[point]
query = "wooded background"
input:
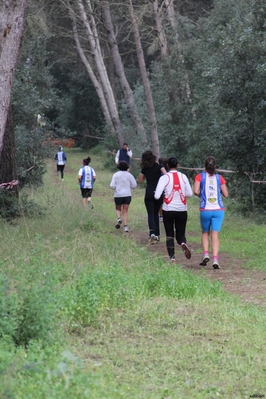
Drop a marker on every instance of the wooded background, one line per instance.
(180, 77)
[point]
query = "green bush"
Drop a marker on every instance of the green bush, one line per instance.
(96, 293)
(36, 315)
(8, 308)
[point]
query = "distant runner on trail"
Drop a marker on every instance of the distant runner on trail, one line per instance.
(124, 154)
(60, 158)
(86, 179)
(209, 186)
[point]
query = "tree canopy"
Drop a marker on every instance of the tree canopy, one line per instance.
(204, 62)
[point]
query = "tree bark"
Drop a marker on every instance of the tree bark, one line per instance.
(94, 80)
(171, 15)
(92, 36)
(146, 83)
(8, 164)
(11, 26)
(120, 73)
(160, 30)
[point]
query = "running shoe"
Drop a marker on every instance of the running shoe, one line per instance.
(161, 219)
(172, 259)
(186, 250)
(126, 229)
(216, 265)
(205, 260)
(152, 239)
(157, 238)
(118, 223)
(91, 205)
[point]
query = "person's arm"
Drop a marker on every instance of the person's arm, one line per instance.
(112, 184)
(117, 157)
(129, 153)
(224, 190)
(93, 175)
(163, 170)
(188, 190)
(160, 187)
(133, 182)
(141, 178)
(80, 175)
(196, 188)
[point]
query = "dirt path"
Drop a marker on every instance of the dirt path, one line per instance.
(250, 285)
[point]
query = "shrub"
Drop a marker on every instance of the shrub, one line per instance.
(36, 315)
(8, 308)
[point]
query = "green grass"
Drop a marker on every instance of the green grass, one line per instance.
(87, 312)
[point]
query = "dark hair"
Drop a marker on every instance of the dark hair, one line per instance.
(122, 165)
(164, 162)
(172, 162)
(86, 161)
(124, 144)
(148, 159)
(210, 165)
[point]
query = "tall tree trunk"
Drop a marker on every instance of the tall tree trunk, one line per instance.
(101, 70)
(172, 18)
(108, 60)
(160, 30)
(145, 81)
(120, 72)
(8, 164)
(94, 80)
(11, 26)
(171, 13)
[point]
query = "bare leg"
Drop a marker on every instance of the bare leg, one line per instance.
(205, 241)
(215, 243)
(125, 214)
(118, 211)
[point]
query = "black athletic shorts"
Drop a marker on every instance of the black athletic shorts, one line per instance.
(86, 192)
(122, 200)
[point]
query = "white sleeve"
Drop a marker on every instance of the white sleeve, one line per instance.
(160, 187)
(112, 184)
(93, 173)
(133, 182)
(188, 190)
(129, 153)
(117, 157)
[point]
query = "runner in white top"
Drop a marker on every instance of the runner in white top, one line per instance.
(86, 179)
(176, 188)
(122, 182)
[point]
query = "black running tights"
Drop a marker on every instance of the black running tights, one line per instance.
(175, 226)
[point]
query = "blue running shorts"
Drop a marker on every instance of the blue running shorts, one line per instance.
(211, 220)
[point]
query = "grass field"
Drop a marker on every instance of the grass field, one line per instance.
(86, 312)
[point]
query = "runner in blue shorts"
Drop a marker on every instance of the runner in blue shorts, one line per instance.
(210, 186)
